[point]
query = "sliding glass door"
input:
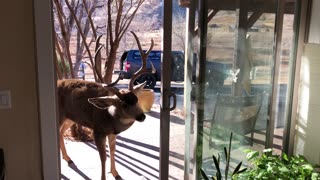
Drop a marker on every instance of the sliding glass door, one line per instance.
(239, 58)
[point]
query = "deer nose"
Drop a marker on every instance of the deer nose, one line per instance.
(141, 117)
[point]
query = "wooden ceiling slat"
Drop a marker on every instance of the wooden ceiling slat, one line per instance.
(265, 6)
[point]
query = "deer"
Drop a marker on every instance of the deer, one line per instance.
(103, 108)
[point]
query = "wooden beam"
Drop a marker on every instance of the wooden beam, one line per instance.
(211, 14)
(253, 18)
(265, 6)
(240, 51)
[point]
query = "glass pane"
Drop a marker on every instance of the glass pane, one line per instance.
(239, 66)
(238, 83)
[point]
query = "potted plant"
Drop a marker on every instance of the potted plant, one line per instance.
(146, 99)
(265, 166)
(270, 166)
(227, 154)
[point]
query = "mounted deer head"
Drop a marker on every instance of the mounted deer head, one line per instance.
(103, 108)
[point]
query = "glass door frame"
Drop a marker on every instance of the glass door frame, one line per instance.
(302, 21)
(165, 90)
(47, 107)
(190, 38)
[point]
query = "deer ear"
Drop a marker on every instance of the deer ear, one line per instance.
(139, 87)
(102, 102)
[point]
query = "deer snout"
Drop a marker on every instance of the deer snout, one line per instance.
(141, 117)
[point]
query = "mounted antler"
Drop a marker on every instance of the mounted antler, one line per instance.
(144, 57)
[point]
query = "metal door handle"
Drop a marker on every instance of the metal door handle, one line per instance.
(173, 95)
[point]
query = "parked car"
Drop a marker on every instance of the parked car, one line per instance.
(216, 72)
(130, 62)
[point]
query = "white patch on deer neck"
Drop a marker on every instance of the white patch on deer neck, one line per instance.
(112, 110)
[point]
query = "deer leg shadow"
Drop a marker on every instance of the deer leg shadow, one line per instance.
(77, 170)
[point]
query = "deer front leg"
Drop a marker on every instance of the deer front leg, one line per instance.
(100, 141)
(112, 148)
(63, 127)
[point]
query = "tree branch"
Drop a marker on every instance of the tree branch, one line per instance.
(60, 15)
(82, 35)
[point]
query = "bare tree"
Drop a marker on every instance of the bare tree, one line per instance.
(76, 30)
(74, 22)
(117, 25)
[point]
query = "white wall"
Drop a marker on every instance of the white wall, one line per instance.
(314, 34)
(20, 125)
(307, 139)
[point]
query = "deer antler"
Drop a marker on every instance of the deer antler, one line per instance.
(120, 77)
(95, 65)
(96, 56)
(144, 57)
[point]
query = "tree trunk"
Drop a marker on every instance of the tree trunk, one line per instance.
(109, 66)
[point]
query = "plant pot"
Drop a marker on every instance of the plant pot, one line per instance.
(146, 99)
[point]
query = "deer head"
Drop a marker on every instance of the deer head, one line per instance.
(123, 105)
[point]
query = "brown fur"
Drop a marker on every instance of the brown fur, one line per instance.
(106, 110)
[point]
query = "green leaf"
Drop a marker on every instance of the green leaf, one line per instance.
(307, 167)
(284, 169)
(267, 150)
(315, 176)
(285, 156)
(225, 152)
(204, 174)
(247, 150)
(216, 163)
(252, 155)
(301, 158)
(242, 170)
(236, 170)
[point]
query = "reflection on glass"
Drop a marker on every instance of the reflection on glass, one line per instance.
(238, 85)
(240, 77)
